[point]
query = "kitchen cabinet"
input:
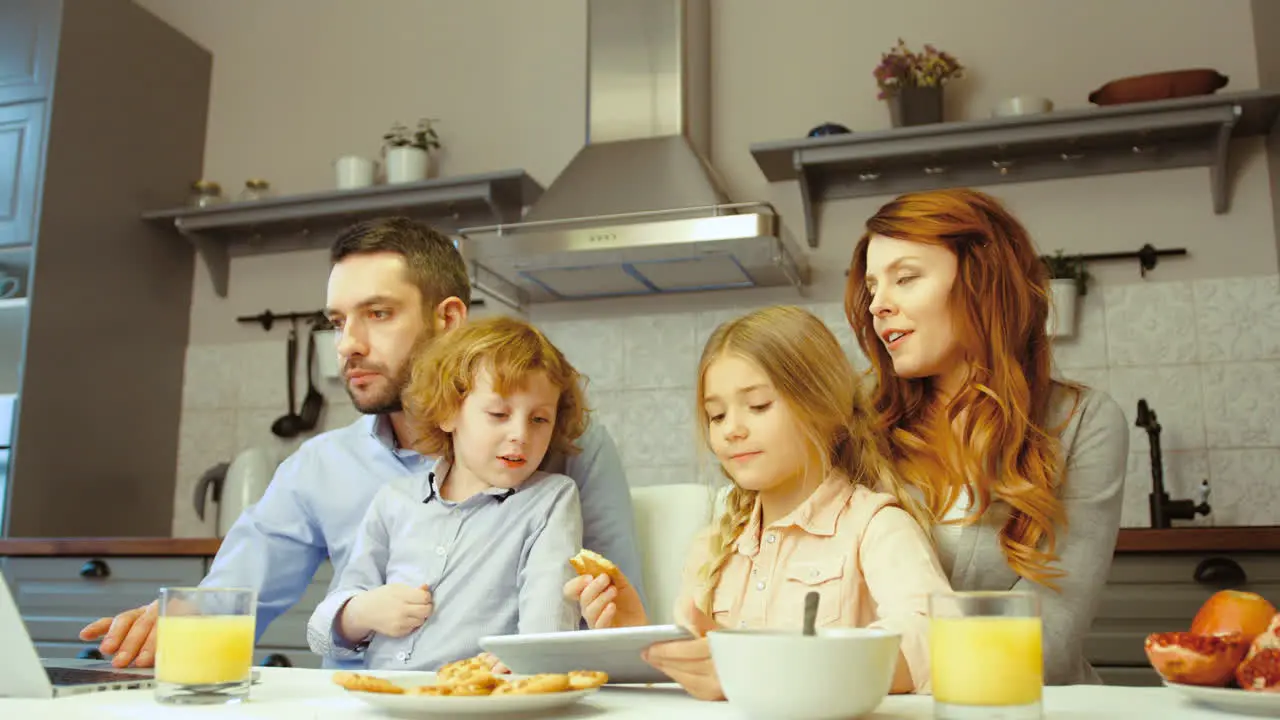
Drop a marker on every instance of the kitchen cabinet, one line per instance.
(21, 128)
(1160, 590)
(95, 127)
(57, 595)
(28, 38)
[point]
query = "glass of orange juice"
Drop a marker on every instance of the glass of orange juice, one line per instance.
(986, 657)
(204, 645)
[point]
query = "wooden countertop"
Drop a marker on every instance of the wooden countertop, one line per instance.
(109, 547)
(1192, 539)
(1132, 540)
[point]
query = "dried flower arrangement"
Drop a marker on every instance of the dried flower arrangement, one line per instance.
(901, 68)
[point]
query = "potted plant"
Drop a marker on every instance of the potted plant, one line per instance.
(407, 154)
(1068, 280)
(912, 83)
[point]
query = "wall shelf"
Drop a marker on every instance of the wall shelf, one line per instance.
(1166, 134)
(293, 222)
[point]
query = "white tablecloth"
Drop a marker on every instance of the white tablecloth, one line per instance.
(295, 694)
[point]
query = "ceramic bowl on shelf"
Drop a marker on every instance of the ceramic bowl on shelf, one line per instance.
(1022, 105)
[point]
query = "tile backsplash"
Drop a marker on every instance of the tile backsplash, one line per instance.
(1204, 354)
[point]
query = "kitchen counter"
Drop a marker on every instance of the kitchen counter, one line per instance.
(1193, 539)
(1132, 540)
(112, 547)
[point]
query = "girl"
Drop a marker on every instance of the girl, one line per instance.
(1020, 474)
(782, 411)
(480, 545)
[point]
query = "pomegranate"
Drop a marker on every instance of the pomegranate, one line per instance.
(1261, 672)
(1233, 611)
(1268, 639)
(1191, 659)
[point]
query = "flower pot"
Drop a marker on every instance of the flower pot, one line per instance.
(406, 164)
(353, 171)
(915, 106)
(1063, 293)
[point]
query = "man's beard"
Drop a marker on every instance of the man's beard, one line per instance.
(389, 400)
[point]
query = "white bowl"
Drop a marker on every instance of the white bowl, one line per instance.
(1022, 105)
(838, 673)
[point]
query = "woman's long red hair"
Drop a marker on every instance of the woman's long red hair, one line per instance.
(991, 435)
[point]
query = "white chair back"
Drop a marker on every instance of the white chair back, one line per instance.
(667, 518)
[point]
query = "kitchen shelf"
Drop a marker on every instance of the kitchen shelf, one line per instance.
(1136, 137)
(300, 221)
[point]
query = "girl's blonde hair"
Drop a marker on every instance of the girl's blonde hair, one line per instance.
(813, 376)
(445, 371)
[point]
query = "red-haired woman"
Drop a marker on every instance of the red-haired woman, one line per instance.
(1022, 473)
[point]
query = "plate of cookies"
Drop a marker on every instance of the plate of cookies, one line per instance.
(468, 687)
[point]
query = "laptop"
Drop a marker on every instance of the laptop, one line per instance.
(24, 675)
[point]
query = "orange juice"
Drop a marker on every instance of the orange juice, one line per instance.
(993, 661)
(204, 649)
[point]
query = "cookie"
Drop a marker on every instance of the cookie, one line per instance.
(587, 679)
(535, 685)
(473, 671)
(435, 690)
(591, 563)
(366, 683)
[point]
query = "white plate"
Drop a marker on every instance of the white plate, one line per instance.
(1232, 699)
(430, 706)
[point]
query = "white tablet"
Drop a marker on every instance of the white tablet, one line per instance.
(616, 651)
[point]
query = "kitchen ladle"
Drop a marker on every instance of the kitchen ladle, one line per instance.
(810, 611)
(309, 414)
(289, 424)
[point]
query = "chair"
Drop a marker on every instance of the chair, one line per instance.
(667, 518)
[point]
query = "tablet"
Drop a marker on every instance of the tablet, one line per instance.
(616, 651)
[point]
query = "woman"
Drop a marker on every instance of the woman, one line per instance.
(1022, 473)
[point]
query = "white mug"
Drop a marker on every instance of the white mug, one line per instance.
(353, 171)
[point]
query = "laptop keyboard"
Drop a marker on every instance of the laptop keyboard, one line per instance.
(84, 676)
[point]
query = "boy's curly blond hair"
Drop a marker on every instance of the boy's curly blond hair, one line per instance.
(445, 372)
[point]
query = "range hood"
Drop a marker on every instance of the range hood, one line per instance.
(639, 210)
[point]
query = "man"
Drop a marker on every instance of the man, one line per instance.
(394, 285)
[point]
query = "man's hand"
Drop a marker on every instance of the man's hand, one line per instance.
(604, 604)
(391, 610)
(127, 637)
(688, 662)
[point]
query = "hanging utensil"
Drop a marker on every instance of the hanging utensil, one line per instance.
(313, 403)
(289, 424)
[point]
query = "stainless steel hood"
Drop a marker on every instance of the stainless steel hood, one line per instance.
(638, 210)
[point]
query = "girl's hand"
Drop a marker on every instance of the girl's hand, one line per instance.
(689, 662)
(604, 604)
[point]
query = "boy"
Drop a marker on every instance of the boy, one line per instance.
(480, 544)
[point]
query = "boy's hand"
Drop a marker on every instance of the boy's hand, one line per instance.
(392, 610)
(604, 604)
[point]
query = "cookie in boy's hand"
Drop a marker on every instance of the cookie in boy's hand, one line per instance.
(592, 564)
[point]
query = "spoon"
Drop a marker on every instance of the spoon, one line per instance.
(810, 611)
(309, 413)
(289, 424)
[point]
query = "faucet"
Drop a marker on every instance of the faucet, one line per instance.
(1163, 509)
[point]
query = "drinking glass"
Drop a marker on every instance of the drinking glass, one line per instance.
(986, 655)
(204, 645)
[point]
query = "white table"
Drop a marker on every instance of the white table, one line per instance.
(295, 694)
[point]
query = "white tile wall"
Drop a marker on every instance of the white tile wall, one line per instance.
(1205, 355)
